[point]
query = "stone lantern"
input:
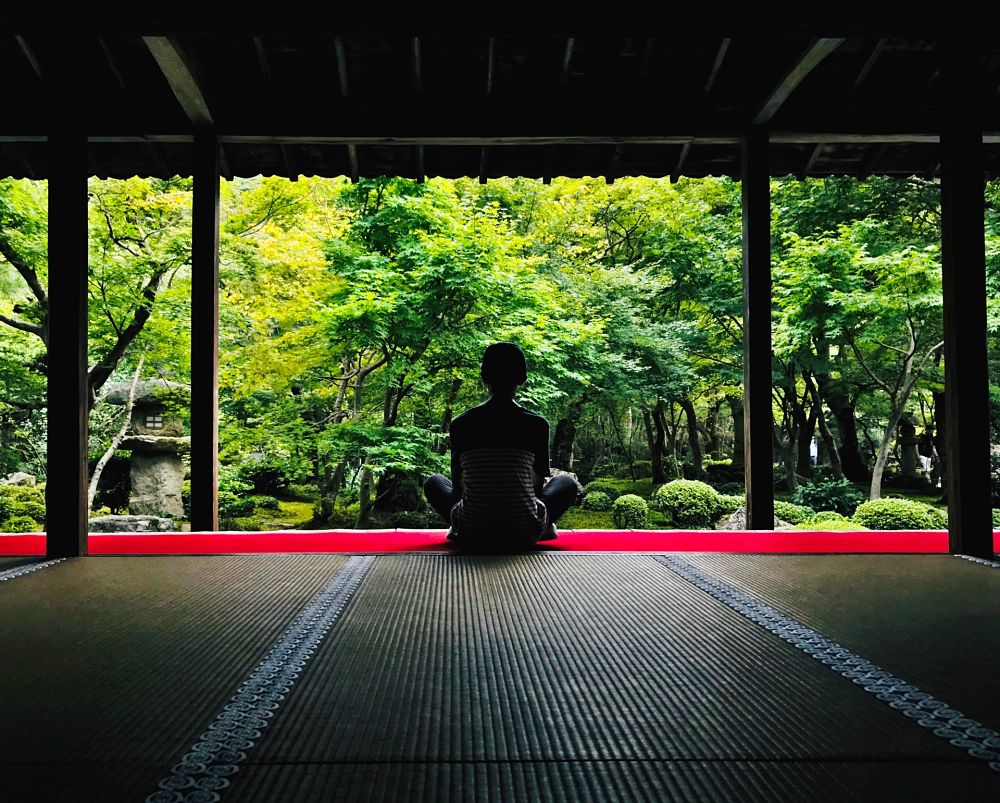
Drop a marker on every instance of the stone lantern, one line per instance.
(155, 437)
(907, 440)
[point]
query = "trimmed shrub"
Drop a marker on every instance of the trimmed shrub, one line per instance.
(793, 514)
(896, 514)
(830, 525)
(265, 502)
(839, 495)
(826, 515)
(7, 508)
(597, 500)
(629, 512)
(23, 493)
(604, 486)
(730, 504)
(35, 510)
(937, 517)
(996, 519)
(232, 506)
(19, 524)
(688, 503)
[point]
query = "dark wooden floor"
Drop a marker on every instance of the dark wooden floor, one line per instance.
(537, 677)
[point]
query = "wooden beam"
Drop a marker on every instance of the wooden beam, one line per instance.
(417, 66)
(352, 158)
(205, 335)
(29, 55)
(157, 157)
(869, 63)
(21, 155)
(647, 56)
(67, 390)
(713, 74)
(757, 416)
(614, 164)
(341, 52)
(112, 64)
(814, 153)
(681, 159)
(289, 162)
(963, 283)
(875, 155)
(805, 64)
(181, 75)
(490, 65)
(419, 158)
(263, 60)
(483, 164)
(567, 60)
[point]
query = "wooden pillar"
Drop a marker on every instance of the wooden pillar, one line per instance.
(205, 335)
(963, 263)
(756, 188)
(66, 513)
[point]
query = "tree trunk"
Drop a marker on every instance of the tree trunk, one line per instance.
(736, 411)
(807, 429)
(365, 499)
(659, 442)
(456, 384)
(853, 464)
(565, 435)
(694, 442)
(824, 430)
(117, 439)
(712, 429)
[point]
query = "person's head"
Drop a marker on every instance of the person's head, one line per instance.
(504, 368)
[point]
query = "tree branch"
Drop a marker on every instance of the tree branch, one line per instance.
(23, 268)
(24, 326)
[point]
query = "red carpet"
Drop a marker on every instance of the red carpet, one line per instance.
(314, 541)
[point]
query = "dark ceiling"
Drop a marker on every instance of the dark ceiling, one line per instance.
(488, 103)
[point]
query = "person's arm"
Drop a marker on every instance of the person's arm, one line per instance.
(456, 462)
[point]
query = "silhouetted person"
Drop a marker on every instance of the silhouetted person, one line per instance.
(497, 495)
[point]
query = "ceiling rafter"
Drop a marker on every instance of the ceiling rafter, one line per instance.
(181, 74)
(805, 64)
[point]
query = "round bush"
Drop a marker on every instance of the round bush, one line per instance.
(896, 514)
(829, 525)
(730, 504)
(262, 502)
(35, 510)
(825, 515)
(688, 503)
(7, 508)
(232, 506)
(996, 519)
(629, 512)
(19, 524)
(597, 500)
(793, 514)
(23, 493)
(839, 495)
(937, 517)
(604, 486)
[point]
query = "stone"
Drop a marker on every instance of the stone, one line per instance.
(131, 524)
(156, 485)
(738, 521)
(20, 478)
(147, 391)
(156, 444)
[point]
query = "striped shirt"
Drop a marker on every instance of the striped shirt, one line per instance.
(497, 449)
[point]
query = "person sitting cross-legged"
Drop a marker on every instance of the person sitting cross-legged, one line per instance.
(497, 497)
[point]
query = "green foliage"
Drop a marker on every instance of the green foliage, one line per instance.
(577, 518)
(688, 503)
(897, 514)
(826, 515)
(629, 512)
(19, 524)
(603, 486)
(793, 514)
(996, 519)
(232, 506)
(838, 495)
(263, 502)
(597, 500)
(731, 488)
(830, 525)
(6, 508)
(34, 510)
(729, 504)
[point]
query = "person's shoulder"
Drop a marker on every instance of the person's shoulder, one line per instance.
(535, 418)
(469, 415)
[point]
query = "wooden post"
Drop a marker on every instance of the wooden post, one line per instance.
(963, 275)
(66, 513)
(205, 335)
(756, 189)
